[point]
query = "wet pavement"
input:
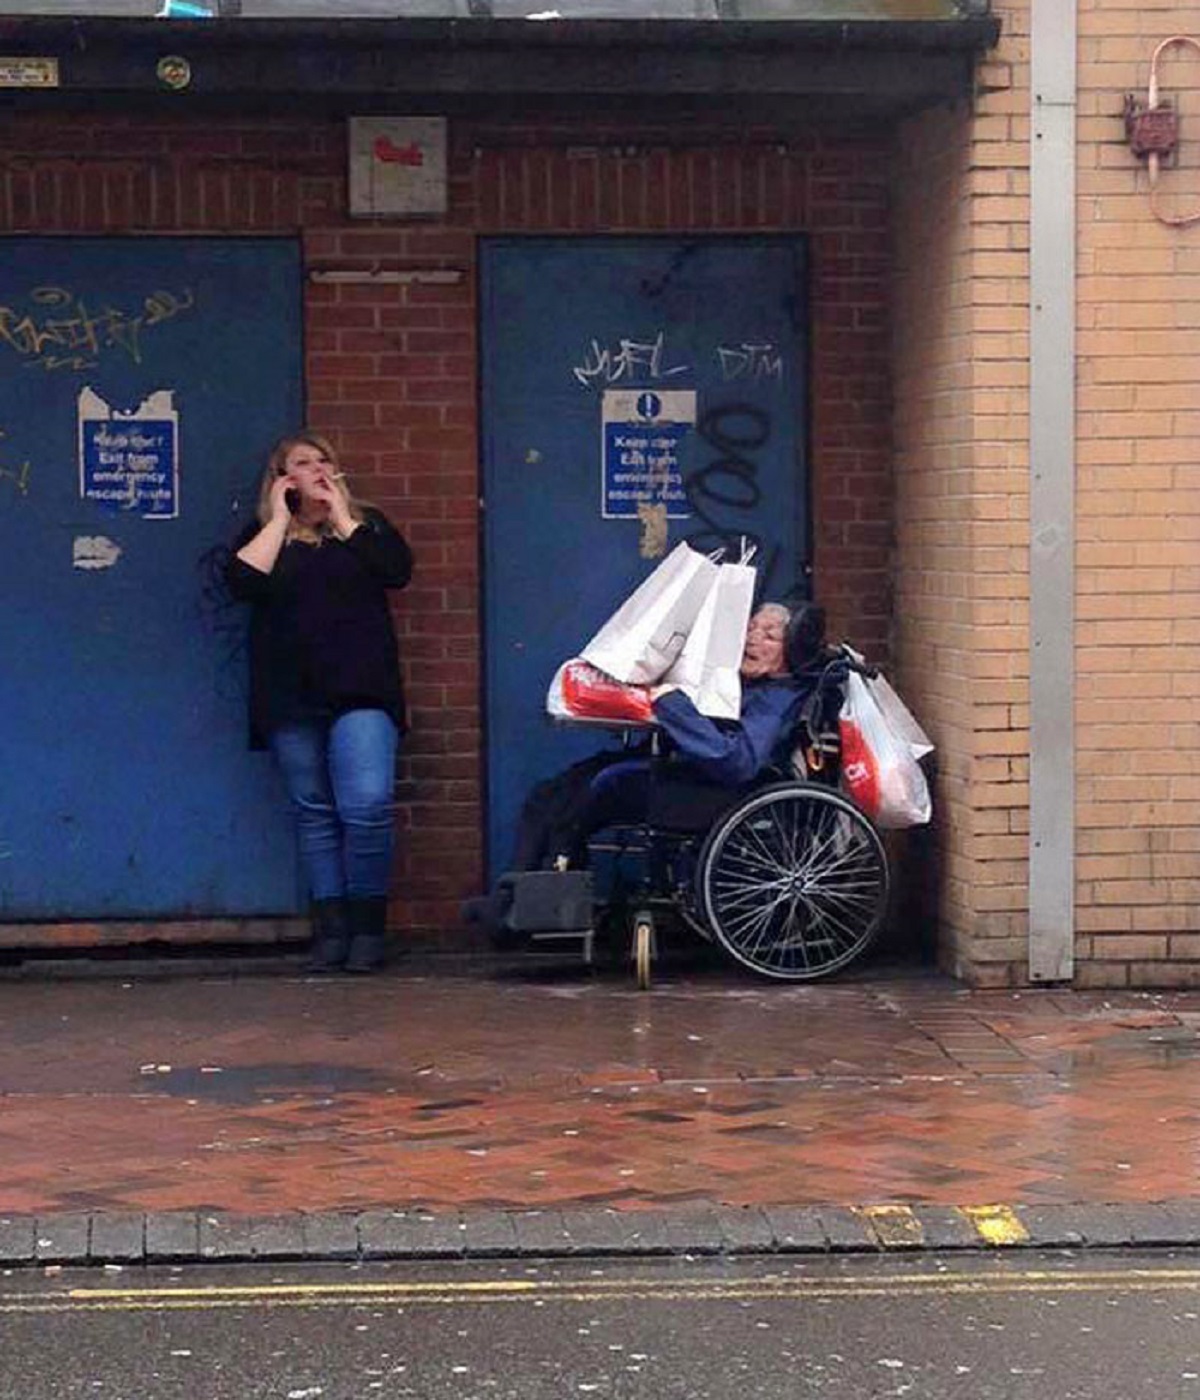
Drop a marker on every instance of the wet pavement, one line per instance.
(259, 1095)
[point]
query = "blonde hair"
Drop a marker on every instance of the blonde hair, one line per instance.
(277, 465)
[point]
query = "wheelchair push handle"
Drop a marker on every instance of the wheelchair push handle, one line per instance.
(850, 660)
(819, 740)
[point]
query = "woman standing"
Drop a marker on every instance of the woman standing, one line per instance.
(325, 689)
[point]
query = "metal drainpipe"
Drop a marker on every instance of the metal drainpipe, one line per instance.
(1052, 234)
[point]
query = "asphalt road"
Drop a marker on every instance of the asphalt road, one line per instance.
(1121, 1325)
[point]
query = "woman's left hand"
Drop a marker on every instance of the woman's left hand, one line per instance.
(339, 511)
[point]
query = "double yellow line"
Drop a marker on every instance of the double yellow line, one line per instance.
(509, 1291)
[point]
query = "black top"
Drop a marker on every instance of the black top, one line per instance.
(321, 634)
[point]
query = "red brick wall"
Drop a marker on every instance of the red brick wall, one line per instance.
(391, 369)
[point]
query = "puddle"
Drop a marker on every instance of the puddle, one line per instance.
(253, 1083)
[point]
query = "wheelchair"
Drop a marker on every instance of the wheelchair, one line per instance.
(788, 877)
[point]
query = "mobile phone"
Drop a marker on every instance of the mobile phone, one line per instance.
(291, 499)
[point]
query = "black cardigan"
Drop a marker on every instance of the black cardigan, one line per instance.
(321, 634)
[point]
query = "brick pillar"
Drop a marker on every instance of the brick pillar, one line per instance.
(960, 362)
(960, 355)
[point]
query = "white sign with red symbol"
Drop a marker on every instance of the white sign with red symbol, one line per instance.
(397, 167)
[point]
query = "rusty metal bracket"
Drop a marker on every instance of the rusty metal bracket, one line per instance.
(1150, 129)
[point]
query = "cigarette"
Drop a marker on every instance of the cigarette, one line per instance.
(337, 476)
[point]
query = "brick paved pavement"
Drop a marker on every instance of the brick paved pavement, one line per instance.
(257, 1097)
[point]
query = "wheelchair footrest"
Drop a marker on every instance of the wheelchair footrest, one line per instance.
(549, 901)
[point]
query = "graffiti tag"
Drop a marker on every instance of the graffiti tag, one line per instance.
(64, 333)
(224, 619)
(632, 358)
(750, 360)
(19, 476)
(729, 483)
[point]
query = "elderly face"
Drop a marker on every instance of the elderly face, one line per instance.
(763, 654)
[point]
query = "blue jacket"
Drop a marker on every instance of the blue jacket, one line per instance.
(729, 753)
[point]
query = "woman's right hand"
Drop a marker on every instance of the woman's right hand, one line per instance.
(278, 498)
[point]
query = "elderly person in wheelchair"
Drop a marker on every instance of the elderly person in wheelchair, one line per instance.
(791, 879)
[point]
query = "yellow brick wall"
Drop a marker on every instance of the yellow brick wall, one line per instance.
(934, 465)
(960, 358)
(961, 439)
(1138, 514)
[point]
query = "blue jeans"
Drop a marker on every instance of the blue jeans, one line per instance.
(339, 777)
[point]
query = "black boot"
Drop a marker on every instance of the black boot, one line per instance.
(368, 919)
(330, 935)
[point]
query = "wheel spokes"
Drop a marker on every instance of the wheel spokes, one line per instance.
(797, 885)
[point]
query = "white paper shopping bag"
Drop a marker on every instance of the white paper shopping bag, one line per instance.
(642, 639)
(708, 670)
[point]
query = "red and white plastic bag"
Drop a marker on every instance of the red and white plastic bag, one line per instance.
(881, 743)
(580, 692)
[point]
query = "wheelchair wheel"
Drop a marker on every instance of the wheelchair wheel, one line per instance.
(643, 949)
(793, 882)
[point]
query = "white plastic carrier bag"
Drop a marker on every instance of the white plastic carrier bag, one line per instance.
(898, 716)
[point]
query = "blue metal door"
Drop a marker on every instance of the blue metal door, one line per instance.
(635, 392)
(142, 382)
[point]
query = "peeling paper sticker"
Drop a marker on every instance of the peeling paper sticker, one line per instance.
(653, 541)
(94, 552)
(130, 461)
